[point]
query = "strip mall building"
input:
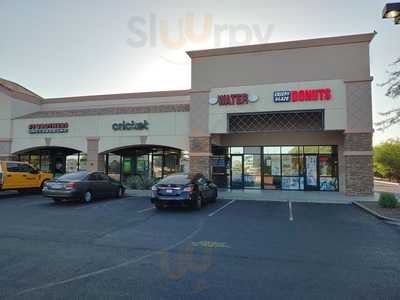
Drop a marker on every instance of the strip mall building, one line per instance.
(292, 116)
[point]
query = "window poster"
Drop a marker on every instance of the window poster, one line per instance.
(290, 183)
(311, 166)
(328, 184)
(276, 166)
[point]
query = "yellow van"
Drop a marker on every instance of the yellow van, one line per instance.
(15, 175)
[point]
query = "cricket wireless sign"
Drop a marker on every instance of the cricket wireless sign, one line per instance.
(130, 125)
(303, 95)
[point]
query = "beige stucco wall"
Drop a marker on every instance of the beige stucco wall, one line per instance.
(166, 129)
(335, 109)
(345, 62)
(58, 104)
(12, 108)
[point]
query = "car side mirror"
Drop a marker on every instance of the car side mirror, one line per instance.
(35, 171)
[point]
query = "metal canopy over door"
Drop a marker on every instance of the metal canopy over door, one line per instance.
(311, 172)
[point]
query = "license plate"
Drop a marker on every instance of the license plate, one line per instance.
(169, 191)
(57, 186)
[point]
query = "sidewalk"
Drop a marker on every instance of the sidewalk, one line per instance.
(280, 196)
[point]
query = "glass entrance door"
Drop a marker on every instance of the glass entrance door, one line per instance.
(311, 173)
(252, 171)
(237, 171)
(157, 166)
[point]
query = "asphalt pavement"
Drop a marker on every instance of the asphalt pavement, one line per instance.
(125, 249)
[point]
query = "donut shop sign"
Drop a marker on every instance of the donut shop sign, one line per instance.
(233, 99)
(324, 94)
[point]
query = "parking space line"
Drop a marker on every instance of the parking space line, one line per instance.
(146, 209)
(33, 203)
(221, 208)
(290, 211)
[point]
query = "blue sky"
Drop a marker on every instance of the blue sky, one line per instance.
(68, 48)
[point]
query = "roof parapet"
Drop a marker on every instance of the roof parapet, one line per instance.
(319, 42)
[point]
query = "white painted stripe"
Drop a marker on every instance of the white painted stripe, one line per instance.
(290, 211)
(386, 182)
(146, 209)
(112, 268)
(221, 208)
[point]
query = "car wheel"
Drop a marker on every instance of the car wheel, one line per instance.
(198, 202)
(120, 192)
(214, 199)
(159, 206)
(43, 184)
(88, 197)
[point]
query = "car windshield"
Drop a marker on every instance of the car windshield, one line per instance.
(176, 179)
(73, 176)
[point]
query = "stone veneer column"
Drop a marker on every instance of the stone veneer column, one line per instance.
(200, 148)
(92, 153)
(199, 140)
(359, 175)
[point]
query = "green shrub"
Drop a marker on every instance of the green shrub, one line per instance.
(388, 200)
(139, 182)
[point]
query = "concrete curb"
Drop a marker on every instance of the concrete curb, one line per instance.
(377, 215)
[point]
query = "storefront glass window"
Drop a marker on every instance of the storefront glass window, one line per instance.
(311, 149)
(325, 150)
(236, 150)
(157, 166)
(237, 171)
(290, 150)
(329, 184)
(142, 165)
(272, 150)
(252, 150)
(252, 171)
(82, 162)
(272, 171)
(114, 166)
(171, 164)
(24, 157)
(35, 160)
(290, 165)
(290, 183)
(72, 163)
(127, 170)
(283, 167)
(45, 161)
(326, 165)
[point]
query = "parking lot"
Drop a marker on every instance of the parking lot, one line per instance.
(125, 249)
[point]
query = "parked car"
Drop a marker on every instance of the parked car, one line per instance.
(21, 176)
(184, 190)
(85, 186)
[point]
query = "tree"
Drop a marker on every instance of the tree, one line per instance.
(391, 117)
(387, 159)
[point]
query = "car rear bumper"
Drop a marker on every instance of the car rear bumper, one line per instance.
(171, 200)
(61, 193)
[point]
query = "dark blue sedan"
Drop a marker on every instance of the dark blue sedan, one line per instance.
(184, 190)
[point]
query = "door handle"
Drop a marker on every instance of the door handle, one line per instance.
(24, 175)
(9, 175)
